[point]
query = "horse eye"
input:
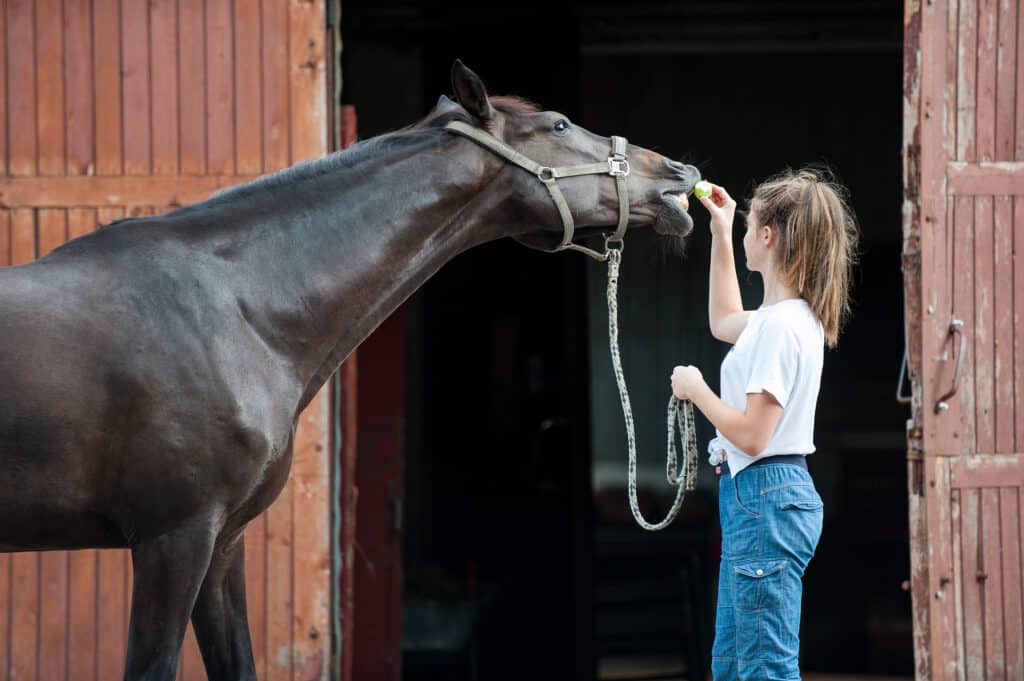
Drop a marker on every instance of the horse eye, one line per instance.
(561, 126)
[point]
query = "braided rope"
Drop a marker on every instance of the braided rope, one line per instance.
(680, 414)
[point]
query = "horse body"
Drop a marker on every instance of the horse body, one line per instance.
(153, 371)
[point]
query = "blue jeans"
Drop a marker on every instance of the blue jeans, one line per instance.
(771, 522)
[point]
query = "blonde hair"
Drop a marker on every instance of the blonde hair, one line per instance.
(817, 246)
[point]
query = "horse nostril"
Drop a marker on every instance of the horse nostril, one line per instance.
(676, 165)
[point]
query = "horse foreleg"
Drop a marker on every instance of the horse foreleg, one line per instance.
(168, 571)
(219, 617)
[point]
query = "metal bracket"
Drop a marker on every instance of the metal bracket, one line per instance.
(618, 166)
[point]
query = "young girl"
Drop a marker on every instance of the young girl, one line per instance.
(801, 237)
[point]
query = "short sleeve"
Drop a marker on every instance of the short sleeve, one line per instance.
(776, 362)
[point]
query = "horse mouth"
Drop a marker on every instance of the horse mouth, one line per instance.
(674, 218)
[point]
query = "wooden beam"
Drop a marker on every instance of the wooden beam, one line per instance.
(104, 191)
(987, 470)
(988, 178)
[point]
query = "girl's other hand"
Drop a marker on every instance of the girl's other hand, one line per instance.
(722, 208)
(686, 381)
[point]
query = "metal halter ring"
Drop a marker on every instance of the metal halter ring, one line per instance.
(546, 174)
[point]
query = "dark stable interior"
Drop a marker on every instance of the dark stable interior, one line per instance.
(503, 348)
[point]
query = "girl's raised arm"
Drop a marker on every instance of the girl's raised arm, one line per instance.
(725, 306)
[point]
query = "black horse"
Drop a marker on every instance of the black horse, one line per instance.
(152, 372)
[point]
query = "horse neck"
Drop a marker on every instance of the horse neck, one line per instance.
(340, 249)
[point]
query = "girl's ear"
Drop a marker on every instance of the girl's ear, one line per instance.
(769, 235)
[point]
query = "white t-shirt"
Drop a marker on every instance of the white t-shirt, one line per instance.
(780, 351)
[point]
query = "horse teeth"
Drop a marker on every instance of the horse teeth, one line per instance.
(684, 201)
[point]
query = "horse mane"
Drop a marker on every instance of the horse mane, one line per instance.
(352, 156)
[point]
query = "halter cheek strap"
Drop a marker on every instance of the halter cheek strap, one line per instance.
(616, 165)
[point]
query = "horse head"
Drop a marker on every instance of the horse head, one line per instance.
(657, 187)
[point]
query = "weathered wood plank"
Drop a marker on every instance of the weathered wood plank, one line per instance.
(990, 581)
(21, 79)
(256, 590)
(279, 590)
(311, 469)
(78, 70)
(5, 244)
(987, 469)
(956, 584)
(1018, 318)
(163, 31)
(991, 178)
(963, 309)
(248, 119)
(1009, 539)
(81, 221)
(276, 131)
(82, 615)
(220, 97)
(135, 81)
(1006, 87)
(53, 615)
(5, 601)
(971, 554)
(53, 229)
(25, 616)
(23, 236)
(109, 191)
(985, 121)
(192, 85)
(50, 86)
(107, 59)
(966, 80)
(984, 327)
(111, 620)
(3, 142)
(1003, 299)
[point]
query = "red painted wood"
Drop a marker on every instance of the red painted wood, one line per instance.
(990, 581)
(163, 46)
(78, 77)
(982, 334)
(220, 96)
(974, 641)
(102, 94)
(348, 402)
(1006, 90)
(106, 23)
(21, 79)
(49, 74)
(963, 309)
(82, 611)
(1018, 317)
(192, 86)
(135, 84)
(248, 118)
(380, 470)
(1003, 299)
(1013, 606)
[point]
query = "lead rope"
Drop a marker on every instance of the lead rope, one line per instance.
(680, 415)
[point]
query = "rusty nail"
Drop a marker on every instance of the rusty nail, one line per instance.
(314, 633)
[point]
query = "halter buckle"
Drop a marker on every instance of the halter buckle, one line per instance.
(618, 166)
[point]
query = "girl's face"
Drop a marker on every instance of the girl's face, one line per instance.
(755, 243)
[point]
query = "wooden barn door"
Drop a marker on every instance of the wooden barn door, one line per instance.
(963, 263)
(131, 107)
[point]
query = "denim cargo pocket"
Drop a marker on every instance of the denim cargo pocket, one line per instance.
(796, 498)
(759, 585)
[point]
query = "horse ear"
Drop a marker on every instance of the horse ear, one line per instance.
(470, 92)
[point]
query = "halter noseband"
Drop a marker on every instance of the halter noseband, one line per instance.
(616, 165)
